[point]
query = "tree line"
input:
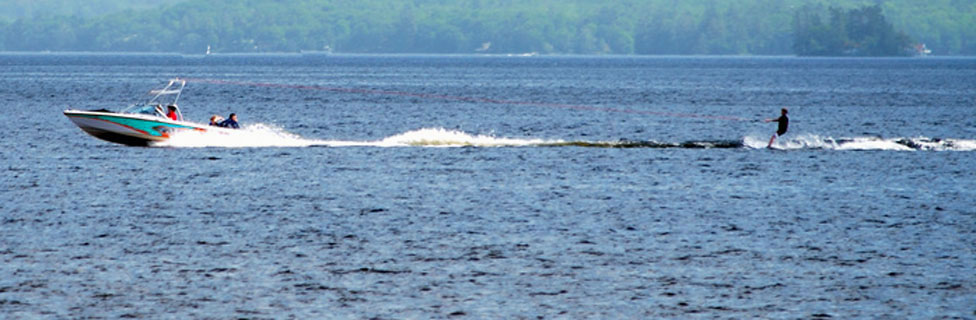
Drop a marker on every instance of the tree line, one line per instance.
(855, 32)
(752, 27)
(17, 9)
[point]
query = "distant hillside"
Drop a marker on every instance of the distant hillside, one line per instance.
(855, 32)
(757, 27)
(16, 9)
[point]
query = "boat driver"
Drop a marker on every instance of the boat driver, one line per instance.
(172, 113)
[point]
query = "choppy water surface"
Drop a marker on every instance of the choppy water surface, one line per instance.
(494, 187)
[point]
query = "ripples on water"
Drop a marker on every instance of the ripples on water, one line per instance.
(577, 187)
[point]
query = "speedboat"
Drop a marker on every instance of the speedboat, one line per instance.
(140, 124)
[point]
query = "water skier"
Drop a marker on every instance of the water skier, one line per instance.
(784, 123)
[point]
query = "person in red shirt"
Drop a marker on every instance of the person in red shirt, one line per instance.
(172, 114)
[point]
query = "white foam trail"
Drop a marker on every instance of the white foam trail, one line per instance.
(262, 135)
(967, 145)
(871, 143)
(753, 142)
(439, 137)
(256, 135)
(809, 141)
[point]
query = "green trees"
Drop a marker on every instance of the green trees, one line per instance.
(856, 32)
(503, 26)
(16, 9)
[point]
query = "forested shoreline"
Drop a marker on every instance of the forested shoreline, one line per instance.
(707, 27)
(855, 32)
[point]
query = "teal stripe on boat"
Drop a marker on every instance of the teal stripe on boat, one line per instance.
(138, 124)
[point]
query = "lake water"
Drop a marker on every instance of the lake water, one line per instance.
(493, 187)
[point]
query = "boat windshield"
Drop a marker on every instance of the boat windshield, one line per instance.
(153, 110)
(161, 101)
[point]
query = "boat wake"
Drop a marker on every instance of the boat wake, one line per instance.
(809, 141)
(257, 135)
(262, 135)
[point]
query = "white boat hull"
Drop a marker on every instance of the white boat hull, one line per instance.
(130, 129)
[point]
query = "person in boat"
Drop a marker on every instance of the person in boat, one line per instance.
(171, 114)
(231, 122)
(784, 123)
(215, 120)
